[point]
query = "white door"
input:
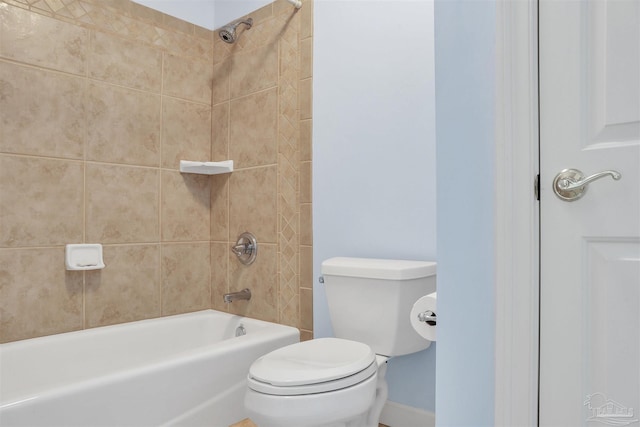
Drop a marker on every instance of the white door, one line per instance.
(590, 248)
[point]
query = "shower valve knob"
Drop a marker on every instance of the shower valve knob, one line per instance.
(246, 248)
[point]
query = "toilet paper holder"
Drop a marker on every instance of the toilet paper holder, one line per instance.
(429, 317)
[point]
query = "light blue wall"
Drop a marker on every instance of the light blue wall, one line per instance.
(465, 73)
(374, 151)
(205, 13)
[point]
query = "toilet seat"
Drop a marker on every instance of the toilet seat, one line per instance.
(315, 366)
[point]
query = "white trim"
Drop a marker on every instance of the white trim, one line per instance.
(517, 221)
(399, 415)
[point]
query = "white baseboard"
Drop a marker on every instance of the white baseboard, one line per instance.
(399, 415)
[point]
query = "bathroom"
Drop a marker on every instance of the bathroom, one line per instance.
(161, 229)
(133, 200)
(328, 73)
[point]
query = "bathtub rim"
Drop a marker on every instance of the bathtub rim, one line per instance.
(268, 332)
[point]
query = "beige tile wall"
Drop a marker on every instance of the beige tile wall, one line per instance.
(262, 120)
(99, 100)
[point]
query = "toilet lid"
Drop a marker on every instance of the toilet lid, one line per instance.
(311, 362)
(323, 387)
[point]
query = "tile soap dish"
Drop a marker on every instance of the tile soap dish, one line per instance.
(206, 168)
(84, 257)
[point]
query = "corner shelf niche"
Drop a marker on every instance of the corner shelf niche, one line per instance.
(206, 168)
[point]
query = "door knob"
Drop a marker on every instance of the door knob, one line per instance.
(570, 184)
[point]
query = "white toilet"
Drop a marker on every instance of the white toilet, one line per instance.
(339, 382)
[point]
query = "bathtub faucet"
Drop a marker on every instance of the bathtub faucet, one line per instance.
(233, 296)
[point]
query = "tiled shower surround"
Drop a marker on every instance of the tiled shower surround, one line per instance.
(99, 100)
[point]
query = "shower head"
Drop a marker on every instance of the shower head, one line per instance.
(228, 32)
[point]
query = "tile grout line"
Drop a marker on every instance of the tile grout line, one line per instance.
(278, 186)
(160, 190)
(85, 197)
(211, 217)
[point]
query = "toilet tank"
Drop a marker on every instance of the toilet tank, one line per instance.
(370, 301)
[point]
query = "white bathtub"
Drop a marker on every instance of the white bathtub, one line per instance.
(184, 370)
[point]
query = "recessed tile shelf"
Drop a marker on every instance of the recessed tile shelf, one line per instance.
(206, 168)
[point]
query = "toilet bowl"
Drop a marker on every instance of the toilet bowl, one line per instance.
(340, 382)
(322, 382)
